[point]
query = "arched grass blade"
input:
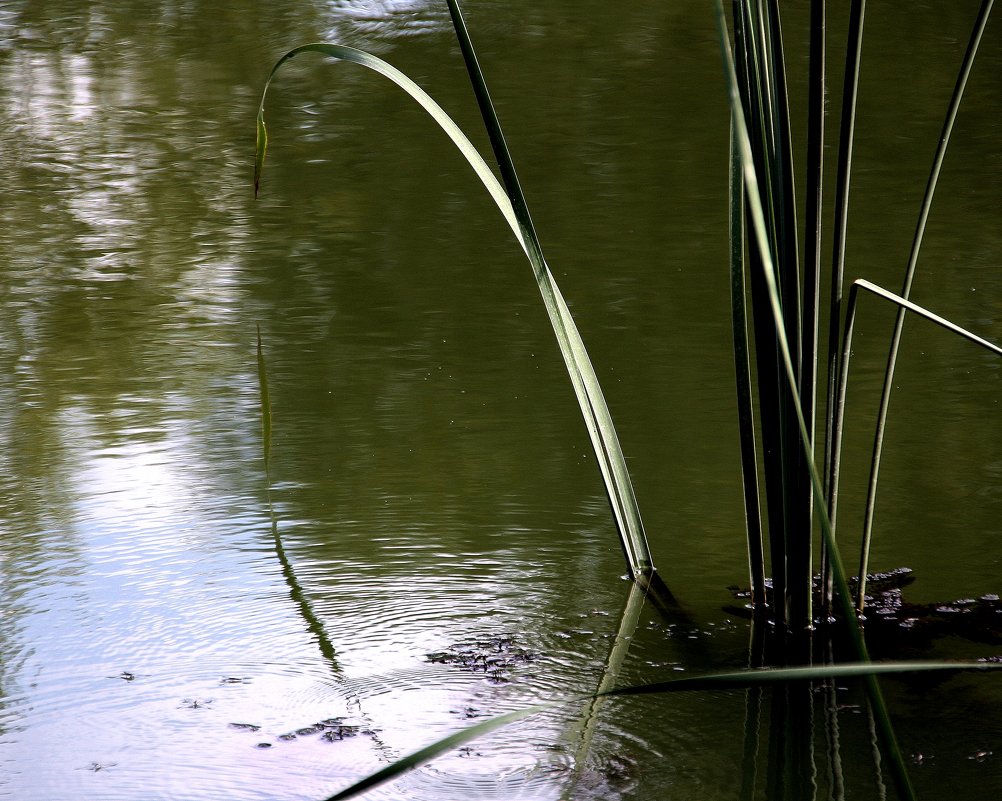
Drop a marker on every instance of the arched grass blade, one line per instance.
(736, 680)
(594, 409)
(364, 59)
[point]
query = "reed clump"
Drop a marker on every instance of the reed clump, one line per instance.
(791, 381)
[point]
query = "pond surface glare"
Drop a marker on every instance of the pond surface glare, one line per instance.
(431, 545)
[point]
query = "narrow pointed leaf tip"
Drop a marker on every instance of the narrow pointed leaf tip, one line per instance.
(261, 148)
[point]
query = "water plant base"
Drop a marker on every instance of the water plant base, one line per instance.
(896, 626)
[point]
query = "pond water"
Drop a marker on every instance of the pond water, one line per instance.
(432, 544)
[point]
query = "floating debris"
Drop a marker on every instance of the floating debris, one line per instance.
(308, 730)
(330, 730)
(336, 729)
(497, 658)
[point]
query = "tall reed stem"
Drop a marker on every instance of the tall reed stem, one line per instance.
(742, 373)
(761, 242)
(847, 127)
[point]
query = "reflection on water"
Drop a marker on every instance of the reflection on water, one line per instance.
(431, 486)
(375, 21)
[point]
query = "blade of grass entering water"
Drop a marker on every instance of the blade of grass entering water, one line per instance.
(751, 41)
(736, 680)
(605, 442)
(598, 421)
(584, 732)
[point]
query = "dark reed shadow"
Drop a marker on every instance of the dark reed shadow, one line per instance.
(313, 623)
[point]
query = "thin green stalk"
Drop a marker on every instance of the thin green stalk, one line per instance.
(783, 205)
(786, 208)
(742, 372)
(812, 228)
(885, 394)
(759, 99)
(761, 109)
(847, 127)
(742, 56)
(798, 491)
(813, 224)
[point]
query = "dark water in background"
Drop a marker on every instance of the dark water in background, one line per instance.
(431, 480)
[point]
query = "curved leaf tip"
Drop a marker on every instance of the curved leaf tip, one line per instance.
(260, 149)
